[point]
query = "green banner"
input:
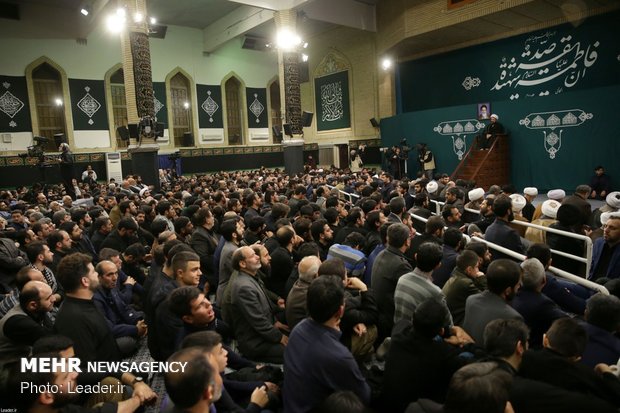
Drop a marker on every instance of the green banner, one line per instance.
(257, 107)
(14, 110)
(159, 98)
(209, 106)
(88, 104)
(536, 65)
(332, 101)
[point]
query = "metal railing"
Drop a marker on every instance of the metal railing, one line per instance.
(588, 241)
(344, 194)
(570, 277)
(561, 273)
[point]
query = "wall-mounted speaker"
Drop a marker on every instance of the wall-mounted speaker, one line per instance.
(306, 119)
(159, 129)
(277, 131)
(59, 138)
(374, 123)
(133, 131)
(123, 132)
(188, 139)
(287, 129)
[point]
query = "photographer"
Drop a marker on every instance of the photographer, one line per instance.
(426, 160)
(66, 169)
(356, 159)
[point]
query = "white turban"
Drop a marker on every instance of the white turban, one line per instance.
(557, 194)
(431, 187)
(518, 202)
(475, 194)
(531, 191)
(613, 200)
(550, 208)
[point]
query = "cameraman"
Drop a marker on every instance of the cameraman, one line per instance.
(426, 160)
(66, 169)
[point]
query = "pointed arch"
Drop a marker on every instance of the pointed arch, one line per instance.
(274, 102)
(334, 64)
(116, 105)
(235, 112)
(181, 89)
(333, 61)
(37, 105)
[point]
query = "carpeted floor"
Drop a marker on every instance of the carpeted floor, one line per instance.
(155, 381)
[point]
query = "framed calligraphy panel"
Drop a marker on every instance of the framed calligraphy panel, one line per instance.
(331, 94)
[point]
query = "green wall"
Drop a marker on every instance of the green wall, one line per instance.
(557, 74)
(182, 47)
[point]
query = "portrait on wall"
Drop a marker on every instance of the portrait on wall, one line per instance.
(484, 110)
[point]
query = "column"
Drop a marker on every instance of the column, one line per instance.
(290, 94)
(139, 90)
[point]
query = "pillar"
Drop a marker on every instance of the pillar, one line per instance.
(290, 95)
(139, 90)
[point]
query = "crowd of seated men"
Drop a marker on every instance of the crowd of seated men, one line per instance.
(288, 295)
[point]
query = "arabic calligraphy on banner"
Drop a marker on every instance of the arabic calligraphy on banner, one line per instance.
(458, 130)
(546, 63)
(553, 120)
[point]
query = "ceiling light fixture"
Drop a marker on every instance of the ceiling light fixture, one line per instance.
(117, 21)
(287, 39)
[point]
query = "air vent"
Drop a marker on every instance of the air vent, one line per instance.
(254, 43)
(9, 11)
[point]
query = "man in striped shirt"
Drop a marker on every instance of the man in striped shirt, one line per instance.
(417, 286)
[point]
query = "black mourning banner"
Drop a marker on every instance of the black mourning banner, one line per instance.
(88, 104)
(257, 107)
(14, 108)
(159, 102)
(332, 101)
(209, 106)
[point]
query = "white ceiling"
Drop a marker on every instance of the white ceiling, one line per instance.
(227, 19)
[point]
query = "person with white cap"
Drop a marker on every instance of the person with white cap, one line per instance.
(490, 132)
(433, 189)
(476, 196)
(549, 216)
(530, 193)
(556, 195)
(612, 204)
(518, 203)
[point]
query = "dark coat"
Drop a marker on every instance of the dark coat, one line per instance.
(388, 267)
(417, 367)
(547, 366)
(613, 270)
(538, 311)
(500, 233)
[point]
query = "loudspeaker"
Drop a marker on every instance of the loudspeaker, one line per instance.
(374, 122)
(159, 129)
(277, 131)
(306, 119)
(188, 139)
(287, 129)
(59, 138)
(133, 131)
(123, 132)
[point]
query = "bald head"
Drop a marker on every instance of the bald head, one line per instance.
(309, 268)
(36, 297)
